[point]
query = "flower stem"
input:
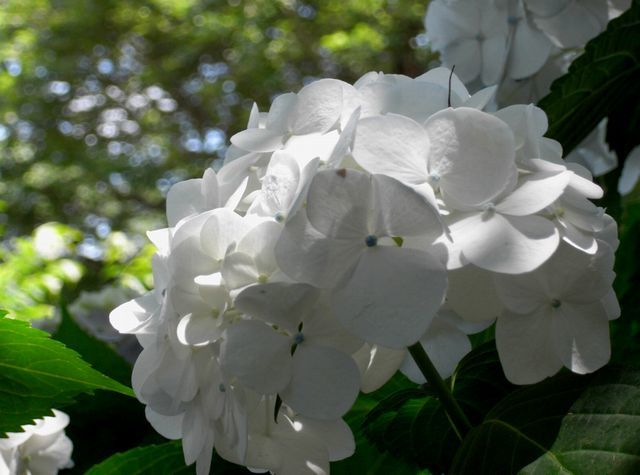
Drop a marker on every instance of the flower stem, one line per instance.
(456, 416)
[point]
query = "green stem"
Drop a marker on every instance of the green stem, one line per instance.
(458, 418)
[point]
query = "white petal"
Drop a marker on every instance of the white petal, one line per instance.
(472, 294)
(611, 305)
(481, 98)
(184, 199)
(239, 269)
(582, 336)
(445, 345)
(345, 142)
(402, 211)
(258, 140)
(280, 112)
(306, 255)
(321, 327)
(528, 123)
(473, 154)
(324, 382)
(578, 238)
(279, 303)
(465, 56)
(221, 228)
(576, 24)
(530, 50)
(279, 186)
(198, 329)
(160, 239)
(417, 99)
(132, 316)
(584, 184)
(522, 294)
(339, 202)
(169, 427)
(493, 58)
(257, 355)
(254, 117)
(630, 172)
(392, 145)
(336, 434)
(511, 246)
(212, 290)
(194, 433)
(535, 192)
(318, 108)
(377, 365)
(526, 348)
(441, 77)
(392, 296)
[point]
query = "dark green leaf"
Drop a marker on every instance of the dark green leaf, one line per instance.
(413, 425)
(165, 459)
(95, 352)
(38, 373)
(161, 459)
(598, 82)
(566, 424)
(369, 459)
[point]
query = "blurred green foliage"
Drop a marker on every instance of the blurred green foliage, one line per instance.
(105, 103)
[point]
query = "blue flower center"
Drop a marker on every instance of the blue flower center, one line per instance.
(371, 240)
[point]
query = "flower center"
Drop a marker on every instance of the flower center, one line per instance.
(263, 278)
(555, 303)
(221, 388)
(298, 338)
(371, 240)
(279, 217)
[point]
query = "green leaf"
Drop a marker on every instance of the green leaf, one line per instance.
(412, 424)
(598, 82)
(95, 352)
(153, 459)
(38, 373)
(566, 424)
(91, 446)
(161, 459)
(368, 458)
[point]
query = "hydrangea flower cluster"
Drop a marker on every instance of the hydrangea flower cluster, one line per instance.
(348, 223)
(42, 447)
(522, 46)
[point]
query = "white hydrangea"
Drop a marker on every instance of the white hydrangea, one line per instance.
(42, 448)
(346, 224)
(522, 46)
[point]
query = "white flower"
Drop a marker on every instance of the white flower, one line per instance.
(451, 153)
(317, 108)
(569, 23)
(345, 225)
(295, 445)
(445, 342)
(472, 35)
(49, 242)
(630, 172)
(42, 447)
(594, 153)
(337, 243)
(556, 316)
(306, 361)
